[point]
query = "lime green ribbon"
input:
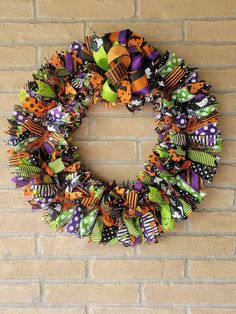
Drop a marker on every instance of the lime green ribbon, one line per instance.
(87, 222)
(96, 234)
(155, 196)
(101, 59)
(130, 224)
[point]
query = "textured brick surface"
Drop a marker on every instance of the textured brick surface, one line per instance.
(188, 8)
(182, 294)
(108, 9)
(211, 311)
(142, 310)
(192, 268)
(70, 246)
(40, 269)
(17, 246)
(38, 33)
(138, 269)
(220, 31)
(212, 269)
(9, 57)
(20, 293)
(196, 246)
(10, 10)
(213, 222)
(80, 293)
(44, 310)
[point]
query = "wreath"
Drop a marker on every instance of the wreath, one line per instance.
(122, 68)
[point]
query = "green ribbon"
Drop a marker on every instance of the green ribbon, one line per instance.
(107, 93)
(130, 224)
(87, 222)
(62, 219)
(187, 208)
(96, 234)
(56, 165)
(28, 170)
(202, 157)
(155, 196)
(101, 59)
(184, 186)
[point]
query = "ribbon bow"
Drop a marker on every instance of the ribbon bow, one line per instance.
(117, 62)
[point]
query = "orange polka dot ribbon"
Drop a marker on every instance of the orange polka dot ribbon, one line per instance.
(119, 67)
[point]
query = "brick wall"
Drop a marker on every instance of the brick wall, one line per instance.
(193, 269)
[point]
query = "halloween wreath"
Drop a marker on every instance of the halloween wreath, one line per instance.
(119, 67)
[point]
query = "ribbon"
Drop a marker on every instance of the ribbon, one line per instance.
(87, 223)
(155, 196)
(122, 68)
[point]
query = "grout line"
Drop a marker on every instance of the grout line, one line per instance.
(187, 309)
(111, 20)
(136, 9)
(141, 294)
(186, 274)
(87, 269)
(34, 10)
(41, 293)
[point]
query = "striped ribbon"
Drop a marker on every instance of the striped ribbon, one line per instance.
(202, 157)
(28, 170)
(62, 219)
(149, 227)
(123, 235)
(187, 208)
(129, 222)
(96, 234)
(43, 190)
(33, 127)
(111, 55)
